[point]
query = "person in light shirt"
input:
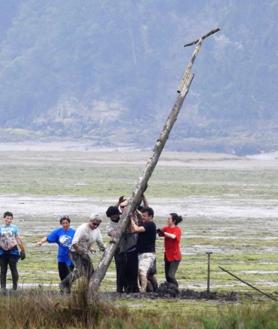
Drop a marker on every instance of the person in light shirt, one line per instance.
(85, 236)
(11, 250)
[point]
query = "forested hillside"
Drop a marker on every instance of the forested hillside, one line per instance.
(108, 71)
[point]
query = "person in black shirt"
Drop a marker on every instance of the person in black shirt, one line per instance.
(145, 244)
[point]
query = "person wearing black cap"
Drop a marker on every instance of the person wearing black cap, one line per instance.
(126, 257)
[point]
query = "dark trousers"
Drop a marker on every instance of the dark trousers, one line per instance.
(170, 271)
(82, 267)
(11, 260)
(132, 272)
(127, 271)
(64, 270)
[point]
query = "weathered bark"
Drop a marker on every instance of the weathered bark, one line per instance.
(188, 68)
(143, 180)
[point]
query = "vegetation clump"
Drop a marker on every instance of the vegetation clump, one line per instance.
(37, 309)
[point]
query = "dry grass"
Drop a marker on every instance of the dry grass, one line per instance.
(38, 310)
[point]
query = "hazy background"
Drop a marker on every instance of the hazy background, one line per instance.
(107, 72)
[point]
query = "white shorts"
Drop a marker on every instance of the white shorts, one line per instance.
(146, 261)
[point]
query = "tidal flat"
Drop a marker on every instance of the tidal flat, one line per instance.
(229, 205)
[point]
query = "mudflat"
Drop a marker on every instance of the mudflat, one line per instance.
(229, 205)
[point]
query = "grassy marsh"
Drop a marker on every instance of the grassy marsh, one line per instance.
(230, 203)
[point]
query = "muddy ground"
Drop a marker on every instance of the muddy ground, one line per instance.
(229, 206)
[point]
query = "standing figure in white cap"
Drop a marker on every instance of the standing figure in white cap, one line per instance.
(85, 236)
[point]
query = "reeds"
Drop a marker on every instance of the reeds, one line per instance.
(39, 309)
(46, 309)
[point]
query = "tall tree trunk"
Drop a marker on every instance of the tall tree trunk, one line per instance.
(182, 90)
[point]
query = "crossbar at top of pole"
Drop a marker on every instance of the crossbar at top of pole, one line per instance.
(140, 187)
(203, 37)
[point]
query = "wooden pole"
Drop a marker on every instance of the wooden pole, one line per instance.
(183, 89)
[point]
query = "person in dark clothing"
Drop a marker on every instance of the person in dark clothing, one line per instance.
(126, 257)
(127, 269)
(145, 245)
(9, 253)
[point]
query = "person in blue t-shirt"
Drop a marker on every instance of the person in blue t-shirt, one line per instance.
(63, 237)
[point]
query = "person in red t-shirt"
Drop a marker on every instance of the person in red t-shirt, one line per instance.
(172, 253)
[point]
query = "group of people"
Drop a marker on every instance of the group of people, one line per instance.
(135, 258)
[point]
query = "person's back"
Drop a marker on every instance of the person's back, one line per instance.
(126, 258)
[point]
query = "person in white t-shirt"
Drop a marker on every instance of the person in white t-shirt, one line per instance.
(85, 236)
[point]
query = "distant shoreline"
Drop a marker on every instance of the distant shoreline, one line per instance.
(73, 146)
